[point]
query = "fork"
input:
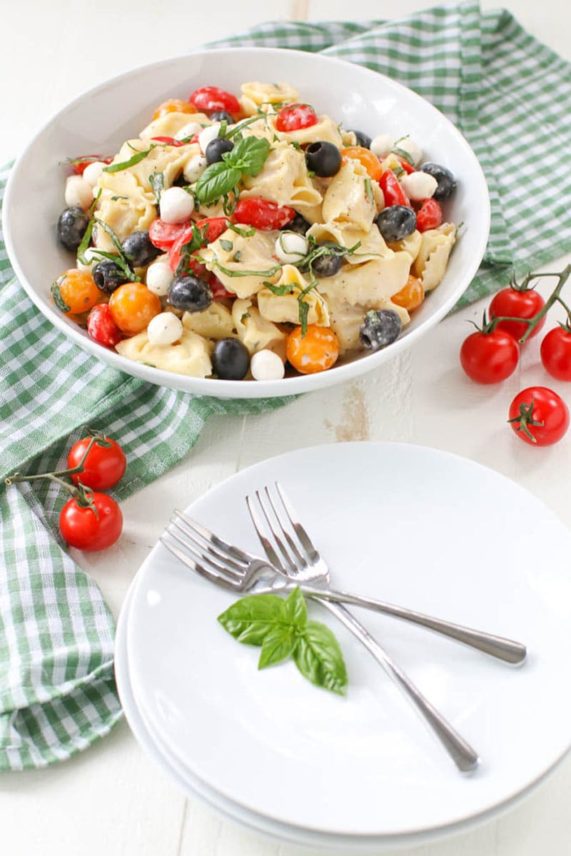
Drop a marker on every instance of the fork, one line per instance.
(232, 568)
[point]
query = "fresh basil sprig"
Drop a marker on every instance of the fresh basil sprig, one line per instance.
(221, 178)
(282, 630)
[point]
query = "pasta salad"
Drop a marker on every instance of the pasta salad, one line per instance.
(247, 237)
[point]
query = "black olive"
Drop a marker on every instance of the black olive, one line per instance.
(139, 249)
(108, 276)
(380, 328)
(222, 116)
(327, 265)
(71, 227)
(324, 159)
(230, 359)
(362, 139)
(446, 181)
(396, 222)
(190, 293)
(299, 224)
(216, 148)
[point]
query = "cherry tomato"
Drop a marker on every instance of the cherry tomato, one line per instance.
(411, 295)
(392, 190)
(556, 353)
(429, 215)
(218, 290)
(210, 99)
(174, 105)
(408, 167)
(163, 235)
(366, 158)
(212, 227)
(169, 141)
(293, 117)
(262, 213)
(539, 416)
(489, 357)
(317, 351)
(517, 304)
(215, 226)
(89, 528)
(132, 306)
(78, 164)
(101, 326)
(104, 465)
(75, 292)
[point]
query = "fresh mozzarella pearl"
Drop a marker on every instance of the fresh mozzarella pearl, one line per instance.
(291, 247)
(207, 135)
(78, 193)
(382, 144)
(419, 185)
(159, 277)
(92, 172)
(91, 257)
(194, 168)
(176, 205)
(411, 148)
(164, 329)
(265, 365)
(188, 130)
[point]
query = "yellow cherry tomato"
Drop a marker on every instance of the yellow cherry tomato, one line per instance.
(132, 306)
(366, 158)
(75, 293)
(411, 295)
(317, 351)
(174, 105)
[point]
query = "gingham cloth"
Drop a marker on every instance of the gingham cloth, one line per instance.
(503, 89)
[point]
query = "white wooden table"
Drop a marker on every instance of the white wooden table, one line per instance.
(113, 800)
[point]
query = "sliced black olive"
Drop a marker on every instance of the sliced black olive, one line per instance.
(139, 250)
(299, 224)
(323, 158)
(362, 139)
(108, 276)
(380, 328)
(216, 148)
(396, 222)
(230, 359)
(71, 227)
(445, 179)
(190, 293)
(222, 116)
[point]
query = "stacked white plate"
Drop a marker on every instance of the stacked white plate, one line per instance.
(407, 524)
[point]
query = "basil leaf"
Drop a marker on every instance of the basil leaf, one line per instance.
(58, 299)
(295, 609)
(157, 182)
(402, 154)
(137, 158)
(85, 241)
(270, 272)
(243, 231)
(249, 155)
(280, 290)
(250, 619)
(123, 261)
(303, 308)
(318, 657)
(217, 180)
(277, 646)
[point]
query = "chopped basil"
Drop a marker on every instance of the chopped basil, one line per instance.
(243, 231)
(237, 256)
(58, 299)
(122, 262)
(270, 272)
(226, 245)
(137, 158)
(369, 190)
(157, 182)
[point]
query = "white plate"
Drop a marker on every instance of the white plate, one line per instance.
(101, 119)
(365, 766)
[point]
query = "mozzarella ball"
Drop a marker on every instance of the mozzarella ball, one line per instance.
(194, 168)
(159, 277)
(419, 185)
(290, 247)
(92, 172)
(78, 193)
(91, 256)
(164, 329)
(188, 130)
(405, 144)
(207, 135)
(176, 205)
(382, 144)
(266, 365)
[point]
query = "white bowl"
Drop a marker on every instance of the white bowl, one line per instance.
(101, 119)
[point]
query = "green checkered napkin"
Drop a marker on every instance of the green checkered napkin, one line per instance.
(506, 92)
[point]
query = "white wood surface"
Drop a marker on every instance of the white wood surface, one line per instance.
(113, 800)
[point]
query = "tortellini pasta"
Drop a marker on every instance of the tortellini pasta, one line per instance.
(435, 248)
(189, 356)
(282, 303)
(284, 179)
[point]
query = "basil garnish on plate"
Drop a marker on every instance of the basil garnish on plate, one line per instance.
(282, 630)
(221, 178)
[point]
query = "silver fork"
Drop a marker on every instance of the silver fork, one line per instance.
(234, 569)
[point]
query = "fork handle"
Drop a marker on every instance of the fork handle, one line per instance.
(496, 646)
(463, 755)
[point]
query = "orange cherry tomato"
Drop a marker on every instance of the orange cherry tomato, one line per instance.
(132, 306)
(174, 105)
(367, 158)
(317, 351)
(75, 292)
(411, 295)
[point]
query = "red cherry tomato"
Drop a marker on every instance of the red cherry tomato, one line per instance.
(90, 528)
(218, 290)
(215, 226)
(104, 465)
(210, 99)
(539, 416)
(392, 190)
(78, 164)
(408, 167)
(262, 213)
(212, 227)
(517, 304)
(293, 117)
(556, 353)
(163, 235)
(489, 357)
(429, 215)
(169, 141)
(102, 328)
